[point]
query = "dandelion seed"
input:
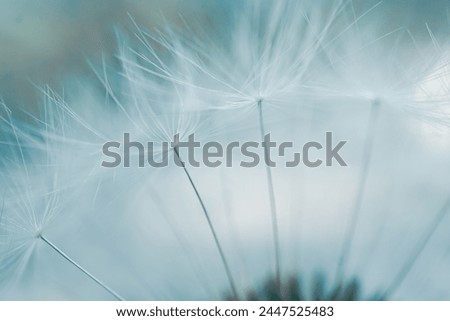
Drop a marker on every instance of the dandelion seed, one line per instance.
(264, 64)
(34, 203)
(172, 114)
(379, 72)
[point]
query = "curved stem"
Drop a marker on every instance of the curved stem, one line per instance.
(211, 227)
(93, 278)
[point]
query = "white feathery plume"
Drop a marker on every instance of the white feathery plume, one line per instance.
(34, 197)
(381, 70)
(284, 54)
(264, 61)
(165, 111)
(434, 90)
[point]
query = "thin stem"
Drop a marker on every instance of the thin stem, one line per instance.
(367, 155)
(411, 261)
(210, 225)
(93, 278)
(273, 207)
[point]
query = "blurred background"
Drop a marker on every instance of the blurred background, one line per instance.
(147, 239)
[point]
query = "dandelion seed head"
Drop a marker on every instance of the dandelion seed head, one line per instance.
(168, 85)
(268, 52)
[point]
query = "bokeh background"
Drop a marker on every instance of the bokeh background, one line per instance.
(155, 245)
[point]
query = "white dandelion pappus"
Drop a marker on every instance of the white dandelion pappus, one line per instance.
(35, 195)
(434, 88)
(377, 69)
(168, 112)
(265, 61)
